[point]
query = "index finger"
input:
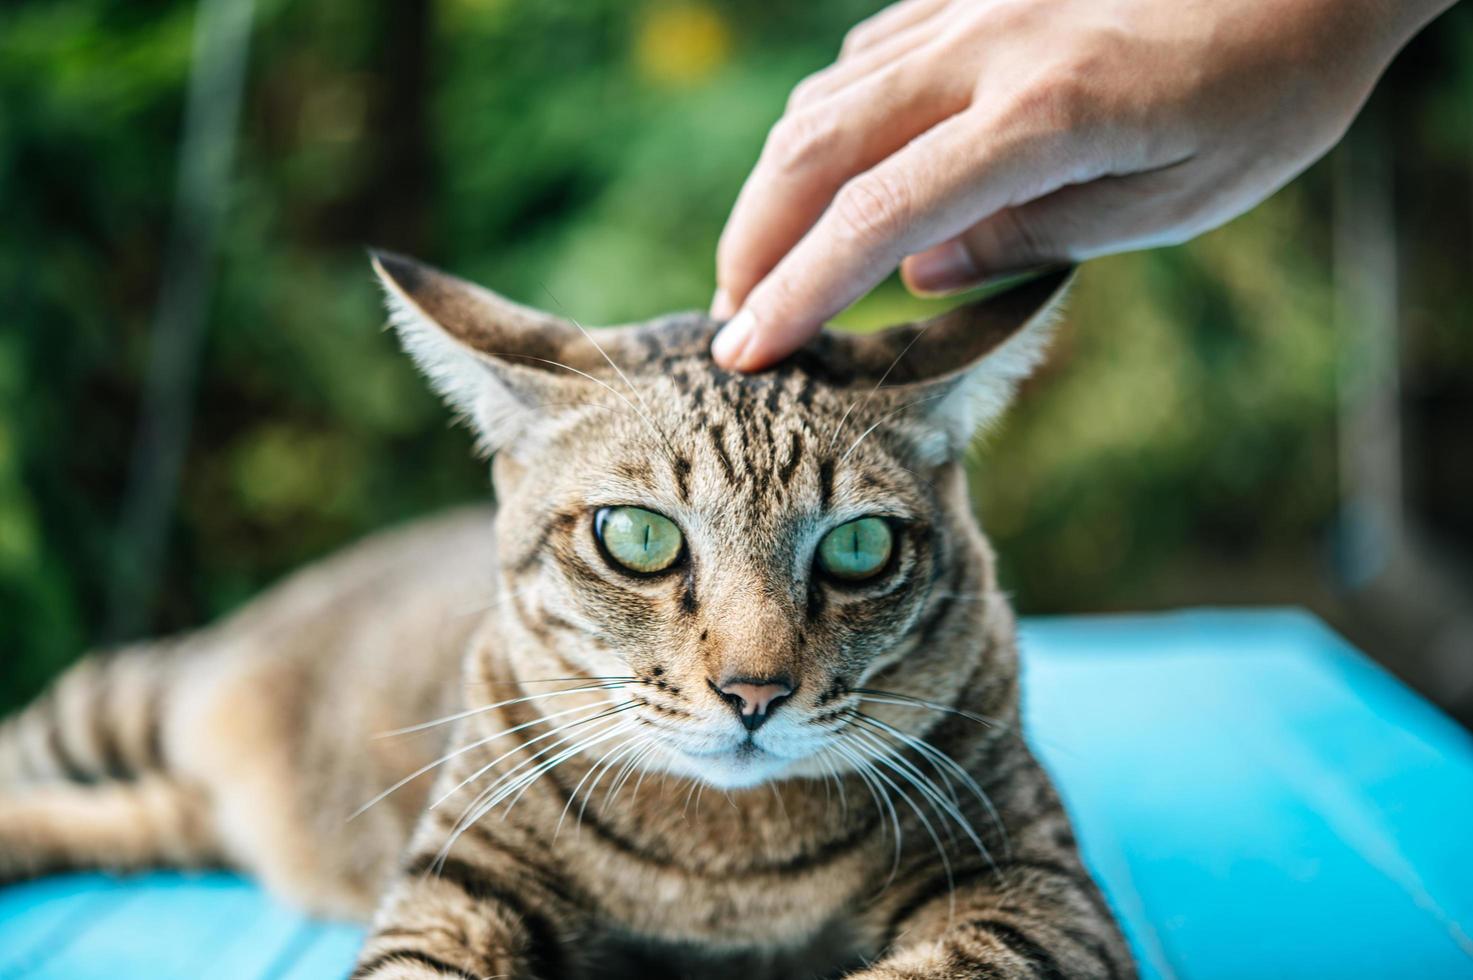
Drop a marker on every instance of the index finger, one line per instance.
(896, 17)
(937, 186)
(812, 152)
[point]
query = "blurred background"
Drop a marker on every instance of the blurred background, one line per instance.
(196, 395)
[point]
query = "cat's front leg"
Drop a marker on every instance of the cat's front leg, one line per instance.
(1033, 915)
(1035, 920)
(467, 919)
(1024, 909)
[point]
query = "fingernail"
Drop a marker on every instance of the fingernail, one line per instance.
(721, 305)
(943, 269)
(732, 339)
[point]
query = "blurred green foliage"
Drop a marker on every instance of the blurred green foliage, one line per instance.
(580, 155)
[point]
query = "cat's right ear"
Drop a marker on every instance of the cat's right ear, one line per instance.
(498, 364)
(959, 371)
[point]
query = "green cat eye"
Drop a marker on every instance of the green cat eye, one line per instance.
(638, 539)
(857, 550)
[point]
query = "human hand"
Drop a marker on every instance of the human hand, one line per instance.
(963, 139)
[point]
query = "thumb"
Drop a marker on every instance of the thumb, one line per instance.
(1009, 241)
(1078, 222)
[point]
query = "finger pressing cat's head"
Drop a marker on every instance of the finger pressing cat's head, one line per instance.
(760, 554)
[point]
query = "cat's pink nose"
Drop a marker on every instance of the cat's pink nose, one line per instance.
(752, 699)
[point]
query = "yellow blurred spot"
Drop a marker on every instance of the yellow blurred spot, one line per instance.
(462, 14)
(282, 472)
(681, 43)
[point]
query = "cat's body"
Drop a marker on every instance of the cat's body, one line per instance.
(621, 798)
(250, 715)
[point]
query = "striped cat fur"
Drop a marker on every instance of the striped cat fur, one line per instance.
(514, 758)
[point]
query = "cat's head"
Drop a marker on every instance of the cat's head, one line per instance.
(759, 560)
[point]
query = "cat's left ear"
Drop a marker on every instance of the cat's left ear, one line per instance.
(958, 372)
(501, 366)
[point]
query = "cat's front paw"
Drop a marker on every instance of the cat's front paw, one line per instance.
(934, 964)
(411, 965)
(909, 968)
(405, 971)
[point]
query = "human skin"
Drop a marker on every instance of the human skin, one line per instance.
(965, 139)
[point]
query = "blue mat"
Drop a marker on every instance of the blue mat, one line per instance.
(1258, 800)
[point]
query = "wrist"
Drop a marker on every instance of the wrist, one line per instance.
(1396, 22)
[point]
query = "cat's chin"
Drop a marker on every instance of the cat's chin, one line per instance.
(741, 768)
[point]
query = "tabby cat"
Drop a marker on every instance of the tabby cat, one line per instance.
(730, 687)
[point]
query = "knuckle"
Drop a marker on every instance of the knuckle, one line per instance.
(731, 261)
(775, 300)
(1065, 97)
(1073, 86)
(806, 92)
(1076, 88)
(1070, 98)
(798, 139)
(858, 36)
(1010, 16)
(737, 265)
(873, 208)
(1056, 101)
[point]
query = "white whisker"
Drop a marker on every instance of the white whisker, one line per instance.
(597, 766)
(878, 384)
(837, 780)
(651, 744)
(903, 767)
(629, 747)
(940, 758)
(461, 751)
(610, 708)
(601, 352)
(685, 811)
(885, 418)
(920, 814)
(497, 602)
(905, 700)
(664, 439)
(518, 682)
(865, 771)
(528, 779)
(491, 797)
(654, 747)
(469, 712)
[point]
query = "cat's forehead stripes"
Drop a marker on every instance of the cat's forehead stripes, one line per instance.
(755, 434)
(514, 372)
